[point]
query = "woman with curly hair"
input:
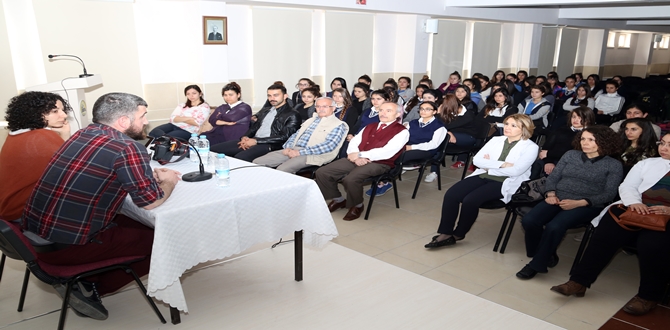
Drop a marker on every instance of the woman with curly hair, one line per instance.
(38, 127)
(579, 187)
(639, 142)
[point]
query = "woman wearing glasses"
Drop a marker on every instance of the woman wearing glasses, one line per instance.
(646, 190)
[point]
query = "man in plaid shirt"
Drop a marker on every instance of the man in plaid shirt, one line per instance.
(74, 204)
(317, 142)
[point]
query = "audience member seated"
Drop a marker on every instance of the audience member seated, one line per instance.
(461, 130)
(497, 77)
(569, 90)
(636, 111)
(405, 89)
(338, 82)
(504, 162)
(462, 93)
(582, 183)
(579, 78)
(560, 140)
(365, 79)
(269, 132)
(646, 190)
(498, 108)
(229, 121)
(429, 95)
(639, 142)
(412, 105)
(521, 76)
(368, 116)
(449, 87)
(37, 123)
(536, 107)
(344, 111)
(187, 118)
(512, 78)
(475, 97)
(425, 136)
(608, 104)
(425, 80)
(316, 143)
(593, 83)
(371, 152)
(556, 88)
(75, 202)
(582, 97)
(301, 85)
(486, 87)
(306, 109)
(361, 96)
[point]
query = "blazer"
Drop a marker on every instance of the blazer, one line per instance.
(641, 177)
(523, 155)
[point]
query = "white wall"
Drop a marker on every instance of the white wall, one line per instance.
(567, 52)
(545, 61)
(448, 50)
(486, 44)
(348, 46)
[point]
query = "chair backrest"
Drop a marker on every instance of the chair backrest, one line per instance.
(482, 127)
(14, 244)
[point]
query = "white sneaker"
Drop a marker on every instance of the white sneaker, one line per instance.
(430, 177)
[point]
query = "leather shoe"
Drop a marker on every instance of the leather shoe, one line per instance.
(639, 306)
(334, 206)
(554, 261)
(354, 213)
(526, 273)
(445, 242)
(569, 288)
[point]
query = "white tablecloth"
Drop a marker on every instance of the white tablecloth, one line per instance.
(201, 221)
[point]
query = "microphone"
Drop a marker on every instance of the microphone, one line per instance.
(197, 175)
(86, 74)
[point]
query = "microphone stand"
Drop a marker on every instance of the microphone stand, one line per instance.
(196, 176)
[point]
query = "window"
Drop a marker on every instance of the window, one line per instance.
(611, 37)
(663, 44)
(624, 40)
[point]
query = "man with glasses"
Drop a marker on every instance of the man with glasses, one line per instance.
(316, 143)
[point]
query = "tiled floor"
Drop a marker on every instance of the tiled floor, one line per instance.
(657, 319)
(396, 237)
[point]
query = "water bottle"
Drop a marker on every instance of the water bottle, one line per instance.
(193, 144)
(203, 149)
(222, 171)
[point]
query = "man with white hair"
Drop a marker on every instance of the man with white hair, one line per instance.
(371, 152)
(316, 143)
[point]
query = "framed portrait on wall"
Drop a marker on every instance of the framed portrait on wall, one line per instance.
(214, 30)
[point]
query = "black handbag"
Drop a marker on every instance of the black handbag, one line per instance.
(530, 191)
(165, 147)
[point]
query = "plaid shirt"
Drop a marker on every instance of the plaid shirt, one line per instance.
(332, 140)
(85, 184)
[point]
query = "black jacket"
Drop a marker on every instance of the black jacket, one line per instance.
(283, 126)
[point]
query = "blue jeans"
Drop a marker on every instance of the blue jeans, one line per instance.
(545, 227)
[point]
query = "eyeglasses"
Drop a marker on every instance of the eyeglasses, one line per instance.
(323, 106)
(663, 144)
(427, 109)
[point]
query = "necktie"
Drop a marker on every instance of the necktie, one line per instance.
(381, 127)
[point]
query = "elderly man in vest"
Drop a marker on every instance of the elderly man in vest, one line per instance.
(371, 152)
(316, 143)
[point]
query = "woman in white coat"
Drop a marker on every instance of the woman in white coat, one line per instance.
(504, 162)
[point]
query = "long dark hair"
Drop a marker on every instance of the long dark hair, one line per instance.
(466, 99)
(347, 101)
(232, 86)
(415, 99)
(585, 100)
(188, 102)
(341, 80)
(646, 143)
(492, 105)
(449, 108)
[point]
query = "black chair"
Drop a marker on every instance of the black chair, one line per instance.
(17, 246)
(482, 128)
(437, 159)
(391, 175)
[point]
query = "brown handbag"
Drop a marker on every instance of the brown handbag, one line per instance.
(631, 220)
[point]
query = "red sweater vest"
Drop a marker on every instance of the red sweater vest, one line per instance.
(372, 139)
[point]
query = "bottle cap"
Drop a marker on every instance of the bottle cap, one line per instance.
(220, 156)
(194, 134)
(203, 136)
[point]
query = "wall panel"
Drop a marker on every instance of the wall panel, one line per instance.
(447, 50)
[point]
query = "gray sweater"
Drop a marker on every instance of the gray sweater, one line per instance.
(577, 177)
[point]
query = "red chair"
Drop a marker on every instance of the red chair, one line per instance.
(17, 246)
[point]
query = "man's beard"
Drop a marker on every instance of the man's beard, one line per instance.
(137, 134)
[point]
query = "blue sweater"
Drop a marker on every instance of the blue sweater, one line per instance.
(423, 134)
(366, 120)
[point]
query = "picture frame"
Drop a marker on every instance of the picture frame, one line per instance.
(214, 30)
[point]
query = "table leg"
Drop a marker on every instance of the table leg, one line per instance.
(298, 255)
(174, 315)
